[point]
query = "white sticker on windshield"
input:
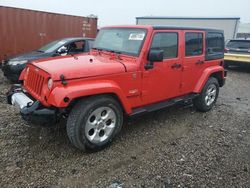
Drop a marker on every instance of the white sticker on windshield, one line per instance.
(136, 36)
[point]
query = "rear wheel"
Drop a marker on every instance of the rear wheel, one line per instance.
(208, 96)
(94, 122)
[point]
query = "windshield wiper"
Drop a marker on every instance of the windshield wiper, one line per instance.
(111, 51)
(99, 49)
(114, 51)
(117, 53)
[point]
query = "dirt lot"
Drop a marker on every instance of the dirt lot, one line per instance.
(176, 147)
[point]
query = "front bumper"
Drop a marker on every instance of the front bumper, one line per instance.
(32, 111)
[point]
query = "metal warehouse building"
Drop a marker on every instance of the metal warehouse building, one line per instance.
(244, 31)
(228, 24)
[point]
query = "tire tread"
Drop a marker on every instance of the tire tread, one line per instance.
(74, 120)
(199, 101)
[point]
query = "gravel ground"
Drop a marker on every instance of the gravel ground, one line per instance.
(176, 147)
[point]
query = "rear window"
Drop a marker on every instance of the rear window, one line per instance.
(239, 44)
(214, 45)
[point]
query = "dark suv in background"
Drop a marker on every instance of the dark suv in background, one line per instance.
(237, 52)
(13, 66)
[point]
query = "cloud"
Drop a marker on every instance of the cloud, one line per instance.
(119, 12)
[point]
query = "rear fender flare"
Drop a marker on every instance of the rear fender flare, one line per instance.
(205, 75)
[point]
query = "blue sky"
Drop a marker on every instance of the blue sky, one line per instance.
(112, 12)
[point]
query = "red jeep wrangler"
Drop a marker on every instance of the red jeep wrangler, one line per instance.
(131, 70)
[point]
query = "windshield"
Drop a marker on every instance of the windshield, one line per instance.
(120, 40)
(52, 46)
(239, 44)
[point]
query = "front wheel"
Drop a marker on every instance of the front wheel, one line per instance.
(94, 122)
(208, 96)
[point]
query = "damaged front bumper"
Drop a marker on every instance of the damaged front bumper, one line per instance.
(31, 110)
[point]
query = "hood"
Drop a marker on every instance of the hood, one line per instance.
(29, 56)
(72, 67)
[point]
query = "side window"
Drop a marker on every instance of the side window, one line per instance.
(194, 44)
(168, 42)
(76, 47)
(214, 44)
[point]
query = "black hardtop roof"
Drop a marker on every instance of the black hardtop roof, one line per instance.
(187, 28)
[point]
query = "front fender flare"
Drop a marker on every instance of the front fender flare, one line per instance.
(87, 88)
(205, 75)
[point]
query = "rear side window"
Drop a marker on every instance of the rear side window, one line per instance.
(214, 46)
(194, 44)
(215, 43)
(168, 42)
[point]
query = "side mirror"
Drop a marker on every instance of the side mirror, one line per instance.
(62, 50)
(154, 56)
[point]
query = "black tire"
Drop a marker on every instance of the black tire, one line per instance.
(80, 114)
(200, 102)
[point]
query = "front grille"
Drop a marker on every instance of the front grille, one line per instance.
(34, 82)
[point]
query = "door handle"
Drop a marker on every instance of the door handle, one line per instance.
(199, 62)
(176, 66)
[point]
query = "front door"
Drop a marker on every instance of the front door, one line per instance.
(163, 80)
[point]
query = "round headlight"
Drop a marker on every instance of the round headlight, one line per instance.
(50, 83)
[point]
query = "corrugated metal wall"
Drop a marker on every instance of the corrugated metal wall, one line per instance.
(24, 30)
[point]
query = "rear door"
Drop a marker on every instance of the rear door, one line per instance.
(194, 59)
